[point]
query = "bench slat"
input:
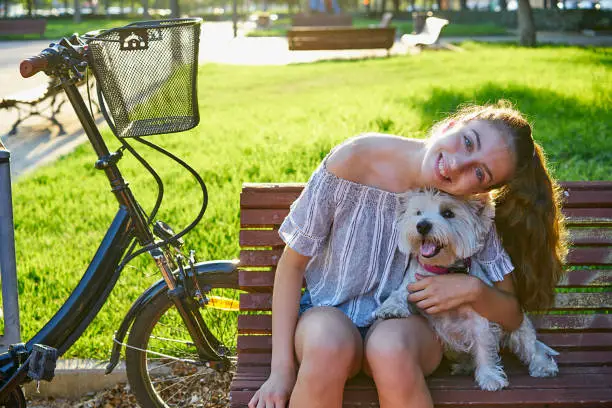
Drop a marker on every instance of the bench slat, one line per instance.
(263, 344)
(576, 256)
(262, 324)
(513, 368)
(577, 237)
(272, 217)
(563, 301)
(262, 281)
(574, 358)
(577, 194)
(540, 398)
(572, 377)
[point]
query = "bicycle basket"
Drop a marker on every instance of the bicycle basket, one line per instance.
(147, 74)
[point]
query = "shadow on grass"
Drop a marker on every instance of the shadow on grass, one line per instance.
(569, 129)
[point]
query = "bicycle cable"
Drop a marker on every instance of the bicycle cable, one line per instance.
(196, 219)
(149, 168)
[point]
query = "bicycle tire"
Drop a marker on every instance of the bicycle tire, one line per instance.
(15, 399)
(162, 382)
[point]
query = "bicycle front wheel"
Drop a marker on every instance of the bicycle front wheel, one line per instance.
(163, 366)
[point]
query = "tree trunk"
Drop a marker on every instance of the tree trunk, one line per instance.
(6, 7)
(527, 31)
(77, 12)
(463, 4)
(175, 9)
(503, 4)
(145, 8)
(30, 6)
(396, 6)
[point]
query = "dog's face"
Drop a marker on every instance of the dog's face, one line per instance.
(439, 228)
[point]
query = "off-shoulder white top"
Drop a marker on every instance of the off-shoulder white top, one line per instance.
(349, 231)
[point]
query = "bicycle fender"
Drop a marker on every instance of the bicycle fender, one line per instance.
(208, 269)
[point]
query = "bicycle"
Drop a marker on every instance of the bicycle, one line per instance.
(175, 330)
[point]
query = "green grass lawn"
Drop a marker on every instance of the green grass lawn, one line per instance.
(279, 28)
(274, 124)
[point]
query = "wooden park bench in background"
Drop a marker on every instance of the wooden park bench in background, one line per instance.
(343, 38)
(45, 101)
(579, 325)
(23, 26)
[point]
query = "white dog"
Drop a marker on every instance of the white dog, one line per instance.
(441, 233)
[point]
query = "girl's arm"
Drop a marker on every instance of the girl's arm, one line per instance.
(446, 292)
(285, 306)
(498, 303)
(288, 280)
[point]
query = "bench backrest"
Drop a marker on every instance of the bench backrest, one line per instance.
(579, 324)
(334, 38)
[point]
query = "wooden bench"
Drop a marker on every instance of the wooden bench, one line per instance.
(340, 38)
(23, 26)
(579, 325)
(321, 20)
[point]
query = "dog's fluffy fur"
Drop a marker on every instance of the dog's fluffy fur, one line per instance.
(441, 230)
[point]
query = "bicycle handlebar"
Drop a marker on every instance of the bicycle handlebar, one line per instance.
(33, 65)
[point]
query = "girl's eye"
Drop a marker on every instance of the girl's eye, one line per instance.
(448, 214)
(480, 174)
(468, 143)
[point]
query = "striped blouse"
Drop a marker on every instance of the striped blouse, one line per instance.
(349, 231)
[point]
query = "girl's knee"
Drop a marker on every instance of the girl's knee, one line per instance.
(328, 344)
(400, 348)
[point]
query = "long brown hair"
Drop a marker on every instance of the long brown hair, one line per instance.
(528, 215)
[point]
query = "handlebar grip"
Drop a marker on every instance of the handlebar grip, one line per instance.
(33, 65)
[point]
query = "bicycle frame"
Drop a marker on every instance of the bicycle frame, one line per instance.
(86, 300)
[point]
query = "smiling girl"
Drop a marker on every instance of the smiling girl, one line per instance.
(341, 238)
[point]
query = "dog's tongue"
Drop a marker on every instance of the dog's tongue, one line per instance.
(428, 248)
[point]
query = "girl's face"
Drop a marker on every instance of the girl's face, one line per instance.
(468, 158)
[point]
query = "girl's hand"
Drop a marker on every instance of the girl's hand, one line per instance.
(275, 392)
(435, 294)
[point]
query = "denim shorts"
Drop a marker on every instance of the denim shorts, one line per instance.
(306, 303)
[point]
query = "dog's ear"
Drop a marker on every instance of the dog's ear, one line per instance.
(403, 202)
(483, 205)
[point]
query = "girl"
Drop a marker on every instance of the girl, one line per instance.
(341, 238)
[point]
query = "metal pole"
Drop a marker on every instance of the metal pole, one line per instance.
(235, 17)
(8, 268)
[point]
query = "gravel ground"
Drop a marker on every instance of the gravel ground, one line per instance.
(209, 392)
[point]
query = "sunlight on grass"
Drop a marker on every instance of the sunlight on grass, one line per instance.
(274, 124)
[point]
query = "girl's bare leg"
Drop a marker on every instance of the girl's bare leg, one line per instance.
(329, 349)
(399, 354)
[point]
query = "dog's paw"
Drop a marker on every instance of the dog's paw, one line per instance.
(491, 378)
(543, 366)
(391, 311)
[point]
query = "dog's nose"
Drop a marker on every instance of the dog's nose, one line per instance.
(423, 227)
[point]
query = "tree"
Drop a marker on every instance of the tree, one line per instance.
(77, 12)
(527, 31)
(175, 10)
